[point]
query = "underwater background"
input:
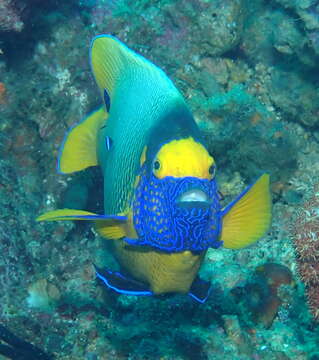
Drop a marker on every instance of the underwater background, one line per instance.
(250, 75)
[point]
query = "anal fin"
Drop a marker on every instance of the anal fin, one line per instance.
(122, 284)
(200, 290)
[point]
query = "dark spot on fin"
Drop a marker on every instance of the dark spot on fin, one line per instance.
(108, 143)
(200, 290)
(107, 100)
(122, 284)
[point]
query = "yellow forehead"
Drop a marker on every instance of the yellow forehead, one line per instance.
(185, 157)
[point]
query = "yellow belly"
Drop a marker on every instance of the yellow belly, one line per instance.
(162, 271)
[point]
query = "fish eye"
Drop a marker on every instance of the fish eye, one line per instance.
(212, 170)
(156, 165)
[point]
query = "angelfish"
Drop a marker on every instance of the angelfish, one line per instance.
(161, 202)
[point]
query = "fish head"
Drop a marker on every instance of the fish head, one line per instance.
(176, 205)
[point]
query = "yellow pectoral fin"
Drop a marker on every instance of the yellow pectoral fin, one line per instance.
(249, 217)
(114, 229)
(72, 214)
(78, 150)
(65, 214)
(110, 230)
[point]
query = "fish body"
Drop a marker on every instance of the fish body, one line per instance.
(161, 202)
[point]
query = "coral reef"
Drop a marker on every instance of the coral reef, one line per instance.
(248, 71)
(262, 296)
(10, 19)
(307, 12)
(305, 232)
(17, 348)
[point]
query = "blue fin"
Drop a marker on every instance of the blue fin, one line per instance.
(200, 290)
(121, 284)
(134, 242)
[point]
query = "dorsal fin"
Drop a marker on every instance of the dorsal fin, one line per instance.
(78, 150)
(111, 61)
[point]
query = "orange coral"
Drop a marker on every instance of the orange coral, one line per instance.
(260, 296)
(2, 93)
(275, 275)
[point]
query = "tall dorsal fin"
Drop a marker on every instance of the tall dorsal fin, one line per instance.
(78, 150)
(112, 61)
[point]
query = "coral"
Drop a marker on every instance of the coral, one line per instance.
(272, 36)
(43, 295)
(305, 234)
(237, 122)
(17, 348)
(261, 296)
(307, 12)
(217, 29)
(276, 275)
(2, 93)
(236, 333)
(10, 16)
(296, 96)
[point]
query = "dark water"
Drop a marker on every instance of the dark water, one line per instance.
(249, 73)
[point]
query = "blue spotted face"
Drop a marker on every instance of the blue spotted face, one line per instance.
(176, 214)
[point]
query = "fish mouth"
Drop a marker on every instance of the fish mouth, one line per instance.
(193, 196)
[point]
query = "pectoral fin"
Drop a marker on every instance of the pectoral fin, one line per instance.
(72, 214)
(108, 226)
(248, 217)
(78, 150)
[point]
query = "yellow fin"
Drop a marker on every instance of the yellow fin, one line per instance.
(72, 214)
(110, 230)
(78, 150)
(116, 229)
(65, 214)
(110, 59)
(249, 217)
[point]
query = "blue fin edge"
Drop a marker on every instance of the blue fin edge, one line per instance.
(120, 291)
(98, 217)
(202, 301)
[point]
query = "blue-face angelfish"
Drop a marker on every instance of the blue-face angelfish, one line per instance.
(161, 203)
